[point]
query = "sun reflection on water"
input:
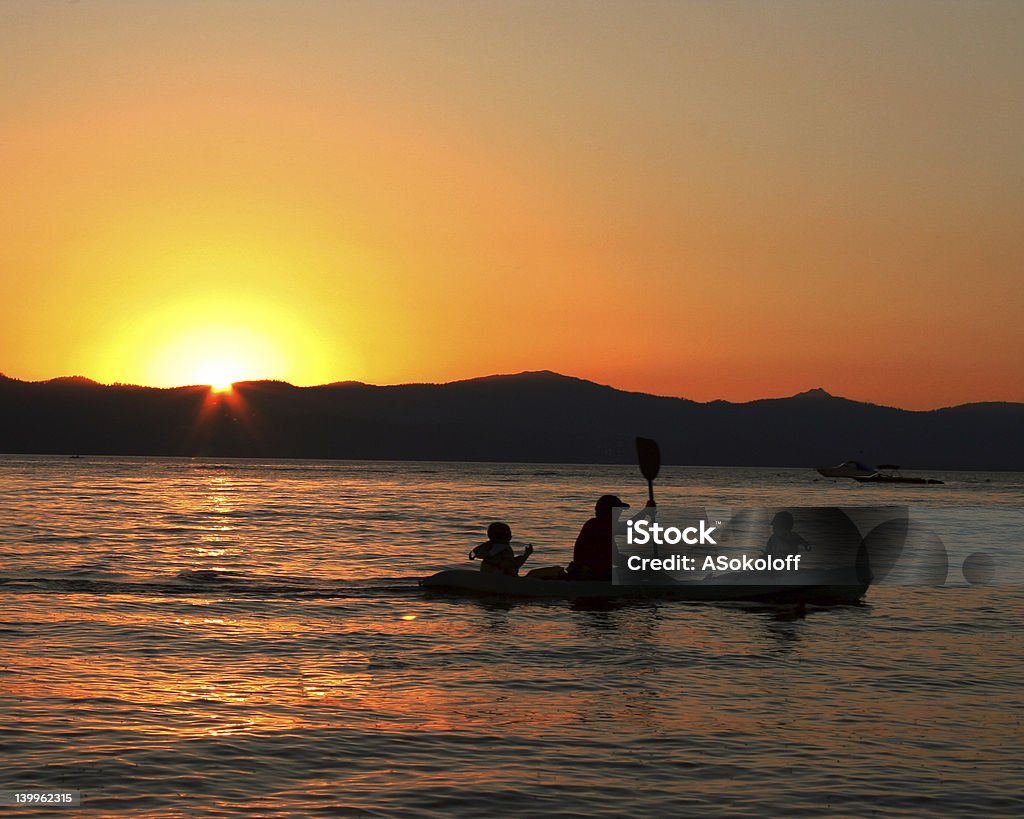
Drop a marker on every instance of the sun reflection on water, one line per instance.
(238, 600)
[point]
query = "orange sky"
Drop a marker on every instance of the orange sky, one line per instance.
(714, 200)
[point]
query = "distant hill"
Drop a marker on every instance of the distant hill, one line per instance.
(536, 416)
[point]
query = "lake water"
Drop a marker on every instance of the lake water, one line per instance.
(239, 638)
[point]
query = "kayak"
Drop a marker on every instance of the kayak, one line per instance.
(820, 587)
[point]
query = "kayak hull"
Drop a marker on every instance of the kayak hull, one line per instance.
(823, 588)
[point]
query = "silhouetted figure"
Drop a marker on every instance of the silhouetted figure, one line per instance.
(496, 553)
(783, 540)
(594, 552)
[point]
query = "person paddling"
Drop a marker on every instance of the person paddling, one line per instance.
(594, 551)
(497, 554)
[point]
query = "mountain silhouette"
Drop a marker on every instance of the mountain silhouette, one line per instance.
(529, 417)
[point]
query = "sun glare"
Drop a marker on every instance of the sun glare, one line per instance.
(220, 374)
(217, 355)
(217, 339)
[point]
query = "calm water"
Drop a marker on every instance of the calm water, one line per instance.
(241, 638)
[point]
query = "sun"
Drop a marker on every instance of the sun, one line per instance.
(218, 356)
(219, 373)
(218, 340)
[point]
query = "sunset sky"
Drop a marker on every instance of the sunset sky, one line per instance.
(713, 200)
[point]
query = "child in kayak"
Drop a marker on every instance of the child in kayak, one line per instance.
(496, 553)
(784, 541)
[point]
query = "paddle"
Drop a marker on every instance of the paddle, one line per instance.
(649, 456)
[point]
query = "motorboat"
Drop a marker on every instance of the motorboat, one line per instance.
(847, 469)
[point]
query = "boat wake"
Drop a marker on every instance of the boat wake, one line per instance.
(213, 582)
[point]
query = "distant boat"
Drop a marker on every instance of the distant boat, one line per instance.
(847, 469)
(890, 477)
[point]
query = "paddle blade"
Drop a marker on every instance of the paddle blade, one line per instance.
(649, 456)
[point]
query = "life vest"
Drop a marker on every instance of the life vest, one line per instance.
(488, 550)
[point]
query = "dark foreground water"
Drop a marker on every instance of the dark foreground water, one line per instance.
(238, 638)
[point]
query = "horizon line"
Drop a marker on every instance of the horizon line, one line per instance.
(812, 392)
